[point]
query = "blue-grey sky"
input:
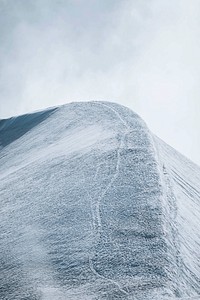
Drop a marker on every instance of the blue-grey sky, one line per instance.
(144, 54)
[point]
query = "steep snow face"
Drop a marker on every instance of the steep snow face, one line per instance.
(93, 206)
(181, 180)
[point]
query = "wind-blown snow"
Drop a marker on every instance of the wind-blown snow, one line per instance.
(94, 206)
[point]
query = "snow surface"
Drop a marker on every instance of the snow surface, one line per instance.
(94, 206)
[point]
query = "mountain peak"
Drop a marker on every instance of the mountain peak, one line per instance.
(94, 206)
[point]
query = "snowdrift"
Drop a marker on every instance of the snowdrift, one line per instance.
(94, 206)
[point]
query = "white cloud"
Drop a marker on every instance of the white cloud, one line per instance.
(143, 54)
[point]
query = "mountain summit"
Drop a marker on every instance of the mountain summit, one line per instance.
(94, 206)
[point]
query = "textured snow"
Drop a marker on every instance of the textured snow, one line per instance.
(94, 206)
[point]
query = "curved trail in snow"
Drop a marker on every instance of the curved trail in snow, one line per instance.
(97, 209)
(96, 214)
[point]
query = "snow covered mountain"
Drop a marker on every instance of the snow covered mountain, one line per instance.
(94, 206)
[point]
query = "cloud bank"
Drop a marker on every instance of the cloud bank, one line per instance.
(143, 54)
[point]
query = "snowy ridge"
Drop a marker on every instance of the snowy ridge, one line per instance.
(94, 206)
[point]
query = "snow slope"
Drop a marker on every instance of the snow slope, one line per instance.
(94, 206)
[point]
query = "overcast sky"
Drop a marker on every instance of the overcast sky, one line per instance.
(144, 54)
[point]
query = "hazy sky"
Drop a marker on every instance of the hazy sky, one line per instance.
(144, 54)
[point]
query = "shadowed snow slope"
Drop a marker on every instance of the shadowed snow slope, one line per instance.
(94, 206)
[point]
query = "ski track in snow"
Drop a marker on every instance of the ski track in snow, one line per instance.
(96, 212)
(121, 146)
